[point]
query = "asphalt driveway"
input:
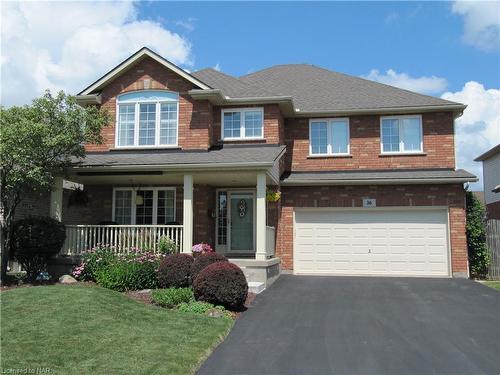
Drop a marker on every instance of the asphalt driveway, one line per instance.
(354, 325)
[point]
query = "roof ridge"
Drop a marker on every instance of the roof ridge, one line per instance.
(217, 72)
(274, 66)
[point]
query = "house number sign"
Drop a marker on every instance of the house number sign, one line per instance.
(242, 208)
(369, 202)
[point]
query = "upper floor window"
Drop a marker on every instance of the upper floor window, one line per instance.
(401, 134)
(147, 119)
(329, 136)
(245, 123)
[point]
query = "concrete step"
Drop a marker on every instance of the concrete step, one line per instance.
(256, 287)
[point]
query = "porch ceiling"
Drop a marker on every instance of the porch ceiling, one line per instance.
(159, 177)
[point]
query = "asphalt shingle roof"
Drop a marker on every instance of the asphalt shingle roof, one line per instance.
(226, 155)
(316, 89)
(231, 86)
(379, 175)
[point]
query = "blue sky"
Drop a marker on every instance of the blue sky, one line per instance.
(446, 49)
(421, 38)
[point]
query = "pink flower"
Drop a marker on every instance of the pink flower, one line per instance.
(202, 248)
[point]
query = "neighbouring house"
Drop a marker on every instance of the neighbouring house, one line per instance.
(491, 180)
(293, 168)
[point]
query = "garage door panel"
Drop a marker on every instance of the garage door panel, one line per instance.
(411, 242)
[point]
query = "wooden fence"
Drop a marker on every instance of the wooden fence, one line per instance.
(493, 242)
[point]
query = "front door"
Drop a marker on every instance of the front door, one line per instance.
(241, 222)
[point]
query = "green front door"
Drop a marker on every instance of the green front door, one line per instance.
(241, 235)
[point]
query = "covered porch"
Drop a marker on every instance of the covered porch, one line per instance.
(133, 206)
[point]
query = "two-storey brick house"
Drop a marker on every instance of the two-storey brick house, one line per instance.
(366, 171)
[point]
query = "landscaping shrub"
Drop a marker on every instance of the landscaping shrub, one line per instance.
(134, 271)
(204, 260)
(174, 271)
(167, 246)
(34, 241)
(221, 283)
(94, 260)
(200, 307)
(479, 258)
(172, 297)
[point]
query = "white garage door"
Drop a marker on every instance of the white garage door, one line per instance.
(371, 242)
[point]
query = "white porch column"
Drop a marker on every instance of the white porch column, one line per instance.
(260, 251)
(187, 221)
(56, 199)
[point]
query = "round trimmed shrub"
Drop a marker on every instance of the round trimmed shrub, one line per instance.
(203, 260)
(34, 241)
(221, 283)
(174, 271)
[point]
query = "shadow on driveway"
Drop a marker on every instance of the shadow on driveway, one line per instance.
(364, 325)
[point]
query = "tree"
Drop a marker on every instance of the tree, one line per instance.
(38, 142)
(476, 237)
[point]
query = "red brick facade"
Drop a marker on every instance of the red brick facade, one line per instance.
(273, 124)
(439, 151)
(195, 117)
(200, 128)
(451, 196)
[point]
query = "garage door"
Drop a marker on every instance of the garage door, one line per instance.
(371, 242)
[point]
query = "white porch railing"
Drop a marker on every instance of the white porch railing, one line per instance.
(123, 237)
(270, 241)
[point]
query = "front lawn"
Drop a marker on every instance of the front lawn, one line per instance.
(492, 284)
(82, 329)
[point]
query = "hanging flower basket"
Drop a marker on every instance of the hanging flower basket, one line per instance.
(273, 196)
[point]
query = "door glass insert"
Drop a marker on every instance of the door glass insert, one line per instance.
(241, 222)
(222, 218)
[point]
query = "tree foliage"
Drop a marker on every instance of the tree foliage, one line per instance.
(39, 142)
(476, 237)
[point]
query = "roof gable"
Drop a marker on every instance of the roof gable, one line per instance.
(134, 59)
(488, 154)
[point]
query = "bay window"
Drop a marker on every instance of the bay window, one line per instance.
(147, 119)
(144, 206)
(247, 123)
(329, 137)
(401, 134)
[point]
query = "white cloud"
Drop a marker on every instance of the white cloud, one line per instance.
(188, 25)
(481, 23)
(424, 85)
(478, 129)
(67, 45)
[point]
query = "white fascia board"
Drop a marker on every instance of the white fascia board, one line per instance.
(381, 182)
(457, 108)
(85, 100)
(131, 60)
(167, 167)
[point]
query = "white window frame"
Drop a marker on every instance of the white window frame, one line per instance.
(329, 136)
(242, 123)
(137, 117)
(401, 130)
(155, 201)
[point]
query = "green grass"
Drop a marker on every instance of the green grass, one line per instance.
(90, 330)
(492, 284)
